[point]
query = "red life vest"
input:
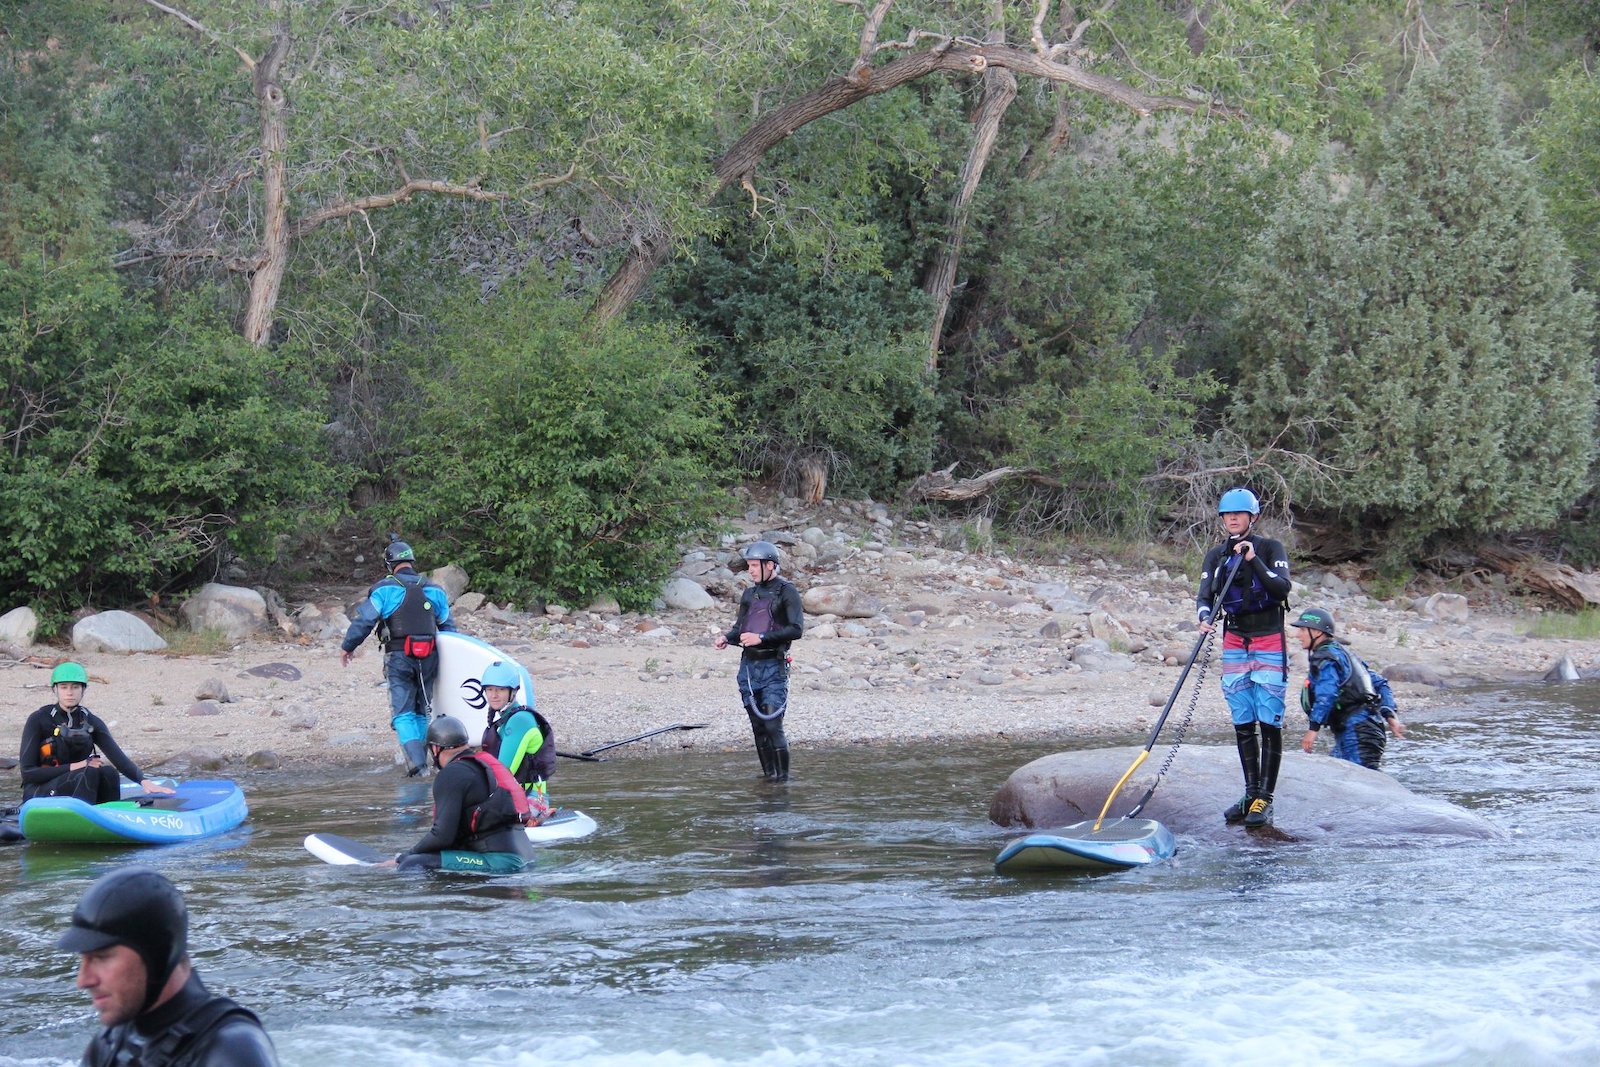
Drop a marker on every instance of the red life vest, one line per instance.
(506, 805)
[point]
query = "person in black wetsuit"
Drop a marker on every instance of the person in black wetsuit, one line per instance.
(770, 617)
(62, 745)
(131, 930)
(478, 810)
(1255, 666)
(409, 612)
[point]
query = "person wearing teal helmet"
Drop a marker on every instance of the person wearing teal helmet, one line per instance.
(131, 930)
(1252, 573)
(770, 617)
(1343, 695)
(66, 747)
(408, 611)
(517, 735)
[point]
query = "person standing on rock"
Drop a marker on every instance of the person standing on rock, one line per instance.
(770, 618)
(62, 745)
(408, 611)
(1343, 694)
(1255, 672)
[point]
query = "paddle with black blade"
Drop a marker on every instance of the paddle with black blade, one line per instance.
(1200, 643)
(1084, 847)
(593, 754)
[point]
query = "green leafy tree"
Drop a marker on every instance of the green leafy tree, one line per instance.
(559, 463)
(1422, 334)
(1566, 136)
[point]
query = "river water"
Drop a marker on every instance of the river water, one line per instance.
(853, 917)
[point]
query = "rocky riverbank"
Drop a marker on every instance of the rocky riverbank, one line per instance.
(912, 635)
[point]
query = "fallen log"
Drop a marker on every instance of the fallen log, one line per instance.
(1574, 588)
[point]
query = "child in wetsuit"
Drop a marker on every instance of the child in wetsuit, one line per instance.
(1254, 667)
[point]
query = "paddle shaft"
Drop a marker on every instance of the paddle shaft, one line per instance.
(647, 733)
(1183, 675)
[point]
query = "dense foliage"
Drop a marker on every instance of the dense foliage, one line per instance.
(433, 220)
(1421, 335)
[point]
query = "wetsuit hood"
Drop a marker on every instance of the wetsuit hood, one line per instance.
(137, 907)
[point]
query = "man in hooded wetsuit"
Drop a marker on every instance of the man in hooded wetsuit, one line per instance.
(408, 611)
(478, 810)
(1255, 671)
(770, 617)
(131, 931)
(62, 745)
(1343, 694)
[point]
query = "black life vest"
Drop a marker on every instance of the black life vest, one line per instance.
(1356, 692)
(67, 743)
(174, 1048)
(540, 764)
(414, 617)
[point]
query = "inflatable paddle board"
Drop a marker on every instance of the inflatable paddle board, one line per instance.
(458, 692)
(1116, 846)
(564, 824)
(198, 809)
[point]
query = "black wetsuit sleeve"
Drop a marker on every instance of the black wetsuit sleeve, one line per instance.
(1271, 566)
(34, 731)
(450, 800)
(112, 751)
(1210, 582)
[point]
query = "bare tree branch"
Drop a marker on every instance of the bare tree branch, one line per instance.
(195, 24)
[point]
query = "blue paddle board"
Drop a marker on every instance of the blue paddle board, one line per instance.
(198, 809)
(1116, 846)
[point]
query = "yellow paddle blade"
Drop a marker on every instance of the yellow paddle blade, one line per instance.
(1118, 787)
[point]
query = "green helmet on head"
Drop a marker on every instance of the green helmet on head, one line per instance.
(69, 672)
(1315, 619)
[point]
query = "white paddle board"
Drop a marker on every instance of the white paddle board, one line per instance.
(459, 692)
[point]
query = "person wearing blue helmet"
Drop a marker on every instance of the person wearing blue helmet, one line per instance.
(1254, 571)
(517, 735)
(408, 611)
(770, 618)
(1343, 695)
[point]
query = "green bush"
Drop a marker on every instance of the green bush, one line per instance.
(554, 463)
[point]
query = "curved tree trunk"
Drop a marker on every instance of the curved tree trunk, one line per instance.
(650, 250)
(999, 89)
(274, 253)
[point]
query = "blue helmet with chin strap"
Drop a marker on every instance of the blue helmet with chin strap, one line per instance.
(1239, 500)
(501, 674)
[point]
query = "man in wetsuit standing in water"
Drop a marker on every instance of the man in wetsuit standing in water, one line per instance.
(131, 932)
(770, 617)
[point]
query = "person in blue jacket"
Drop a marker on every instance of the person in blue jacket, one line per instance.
(408, 611)
(1343, 694)
(517, 735)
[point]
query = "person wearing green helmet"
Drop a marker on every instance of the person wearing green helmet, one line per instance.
(770, 617)
(517, 735)
(1344, 695)
(1251, 573)
(408, 611)
(131, 932)
(65, 747)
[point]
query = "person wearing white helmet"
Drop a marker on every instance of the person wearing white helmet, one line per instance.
(770, 618)
(66, 747)
(1252, 573)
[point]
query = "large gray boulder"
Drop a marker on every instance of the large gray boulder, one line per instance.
(115, 631)
(686, 594)
(1318, 797)
(18, 626)
(841, 600)
(234, 610)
